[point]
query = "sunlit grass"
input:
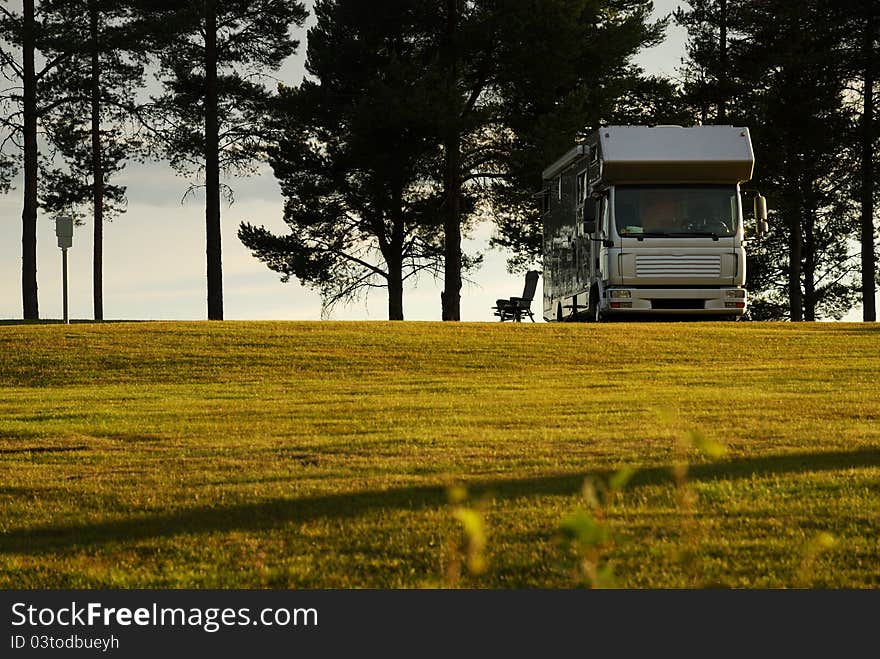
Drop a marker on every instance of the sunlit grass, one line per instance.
(304, 455)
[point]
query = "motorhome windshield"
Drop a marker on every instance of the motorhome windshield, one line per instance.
(659, 211)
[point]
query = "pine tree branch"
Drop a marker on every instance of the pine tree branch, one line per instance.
(416, 268)
(347, 293)
(8, 60)
(349, 257)
(46, 109)
(484, 175)
(52, 64)
(473, 98)
(10, 137)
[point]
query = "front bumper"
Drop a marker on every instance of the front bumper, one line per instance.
(676, 301)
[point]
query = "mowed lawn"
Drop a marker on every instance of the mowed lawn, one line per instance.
(323, 455)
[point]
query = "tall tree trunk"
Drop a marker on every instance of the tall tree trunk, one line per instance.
(393, 255)
(809, 261)
(97, 170)
(795, 258)
(795, 297)
(869, 265)
(29, 296)
(704, 105)
(212, 168)
(451, 296)
(395, 288)
(722, 64)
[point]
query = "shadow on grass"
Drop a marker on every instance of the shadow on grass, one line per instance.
(42, 449)
(276, 512)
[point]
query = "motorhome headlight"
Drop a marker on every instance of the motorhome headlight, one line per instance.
(736, 293)
(621, 294)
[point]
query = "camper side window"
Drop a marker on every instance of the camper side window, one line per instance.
(594, 168)
(581, 187)
(544, 201)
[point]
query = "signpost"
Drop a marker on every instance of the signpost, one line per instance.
(64, 232)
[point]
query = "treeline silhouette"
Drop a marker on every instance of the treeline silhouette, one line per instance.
(418, 119)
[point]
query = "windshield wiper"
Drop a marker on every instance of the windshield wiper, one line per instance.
(695, 234)
(676, 234)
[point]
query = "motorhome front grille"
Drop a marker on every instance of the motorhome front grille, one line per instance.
(678, 266)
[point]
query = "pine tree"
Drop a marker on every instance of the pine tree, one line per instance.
(90, 130)
(869, 150)
(858, 58)
(778, 78)
(802, 134)
(709, 80)
(214, 56)
(355, 156)
(19, 31)
(22, 36)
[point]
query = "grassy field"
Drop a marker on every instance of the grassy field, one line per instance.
(313, 455)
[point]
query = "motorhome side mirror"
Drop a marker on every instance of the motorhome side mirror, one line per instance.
(590, 211)
(760, 208)
(590, 226)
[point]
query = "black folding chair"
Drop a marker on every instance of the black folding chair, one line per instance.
(516, 308)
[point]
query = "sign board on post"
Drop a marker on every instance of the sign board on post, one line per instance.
(64, 231)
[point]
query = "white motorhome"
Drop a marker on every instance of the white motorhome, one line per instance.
(648, 221)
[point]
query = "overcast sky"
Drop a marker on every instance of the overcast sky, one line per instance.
(154, 254)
